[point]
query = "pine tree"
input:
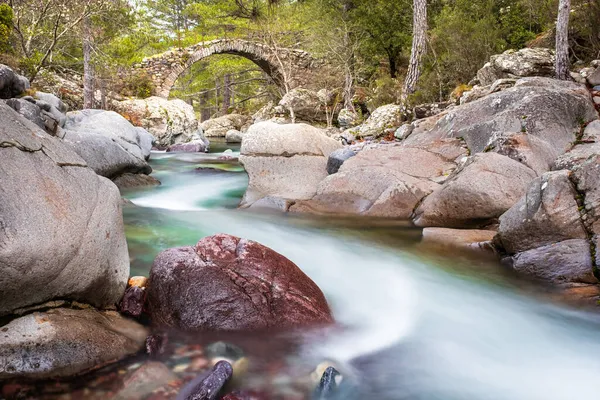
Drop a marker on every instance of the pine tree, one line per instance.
(419, 45)
(562, 40)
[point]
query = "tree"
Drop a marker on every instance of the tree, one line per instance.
(336, 36)
(419, 45)
(88, 71)
(6, 23)
(171, 16)
(387, 30)
(562, 40)
(43, 26)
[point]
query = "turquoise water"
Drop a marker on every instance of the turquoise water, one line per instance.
(415, 323)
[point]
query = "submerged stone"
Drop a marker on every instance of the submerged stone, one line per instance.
(208, 385)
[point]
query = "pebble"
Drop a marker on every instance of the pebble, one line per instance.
(156, 344)
(138, 281)
(328, 384)
(132, 303)
(208, 385)
(179, 368)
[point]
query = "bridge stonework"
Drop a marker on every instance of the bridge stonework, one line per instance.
(165, 68)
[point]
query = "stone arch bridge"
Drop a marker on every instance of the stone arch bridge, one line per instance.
(165, 68)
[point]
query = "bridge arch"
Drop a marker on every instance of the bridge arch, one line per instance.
(165, 68)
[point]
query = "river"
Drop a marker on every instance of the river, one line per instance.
(413, 321)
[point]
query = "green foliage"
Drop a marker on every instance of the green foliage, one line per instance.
(367, 41)
(516, 26)
(387, 30)
(6, 23)
(250, 87)
(29, 64)
(383, 90)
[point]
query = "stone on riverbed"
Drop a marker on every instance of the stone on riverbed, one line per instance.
(170, 121)
(64, 342)
(385, 180)
(285, 161)
(480, 191)
(234, 136)
(228, 283)
(146, 379)
(127, 181)
(470, 239)
(195, 146)
(208, 385)
(564, 262)
(547, 213)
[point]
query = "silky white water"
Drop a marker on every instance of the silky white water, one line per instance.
(413, 330)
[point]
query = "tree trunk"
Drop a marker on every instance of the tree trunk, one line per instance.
(204, 107)
(393, 65)
(419, 45)
(348, 74)
(226, 94)
(217, 95)
(103, 100)
(562, 40)
(88, 69)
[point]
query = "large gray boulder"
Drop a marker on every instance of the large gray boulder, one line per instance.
(518, 64)
(11, 83)
(40, 112)
(385, 180)
(543, 232)
(108, 142)
(28, 110)
(547, 213)
(553, 230)
(218, 127)
(64, 342)
(61, 230)
(169, 121)
(551, 110)
(53, 100)
(530, 150)
(569, 261)
(287, 161)
(594, 78)
(583, 160)
(234, 136)
(310, 106)
(480, 191)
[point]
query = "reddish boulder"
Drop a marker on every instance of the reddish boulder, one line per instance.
(228, 283)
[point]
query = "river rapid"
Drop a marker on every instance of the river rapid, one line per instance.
(414, 323)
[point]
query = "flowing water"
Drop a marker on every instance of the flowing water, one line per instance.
(415, 324)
